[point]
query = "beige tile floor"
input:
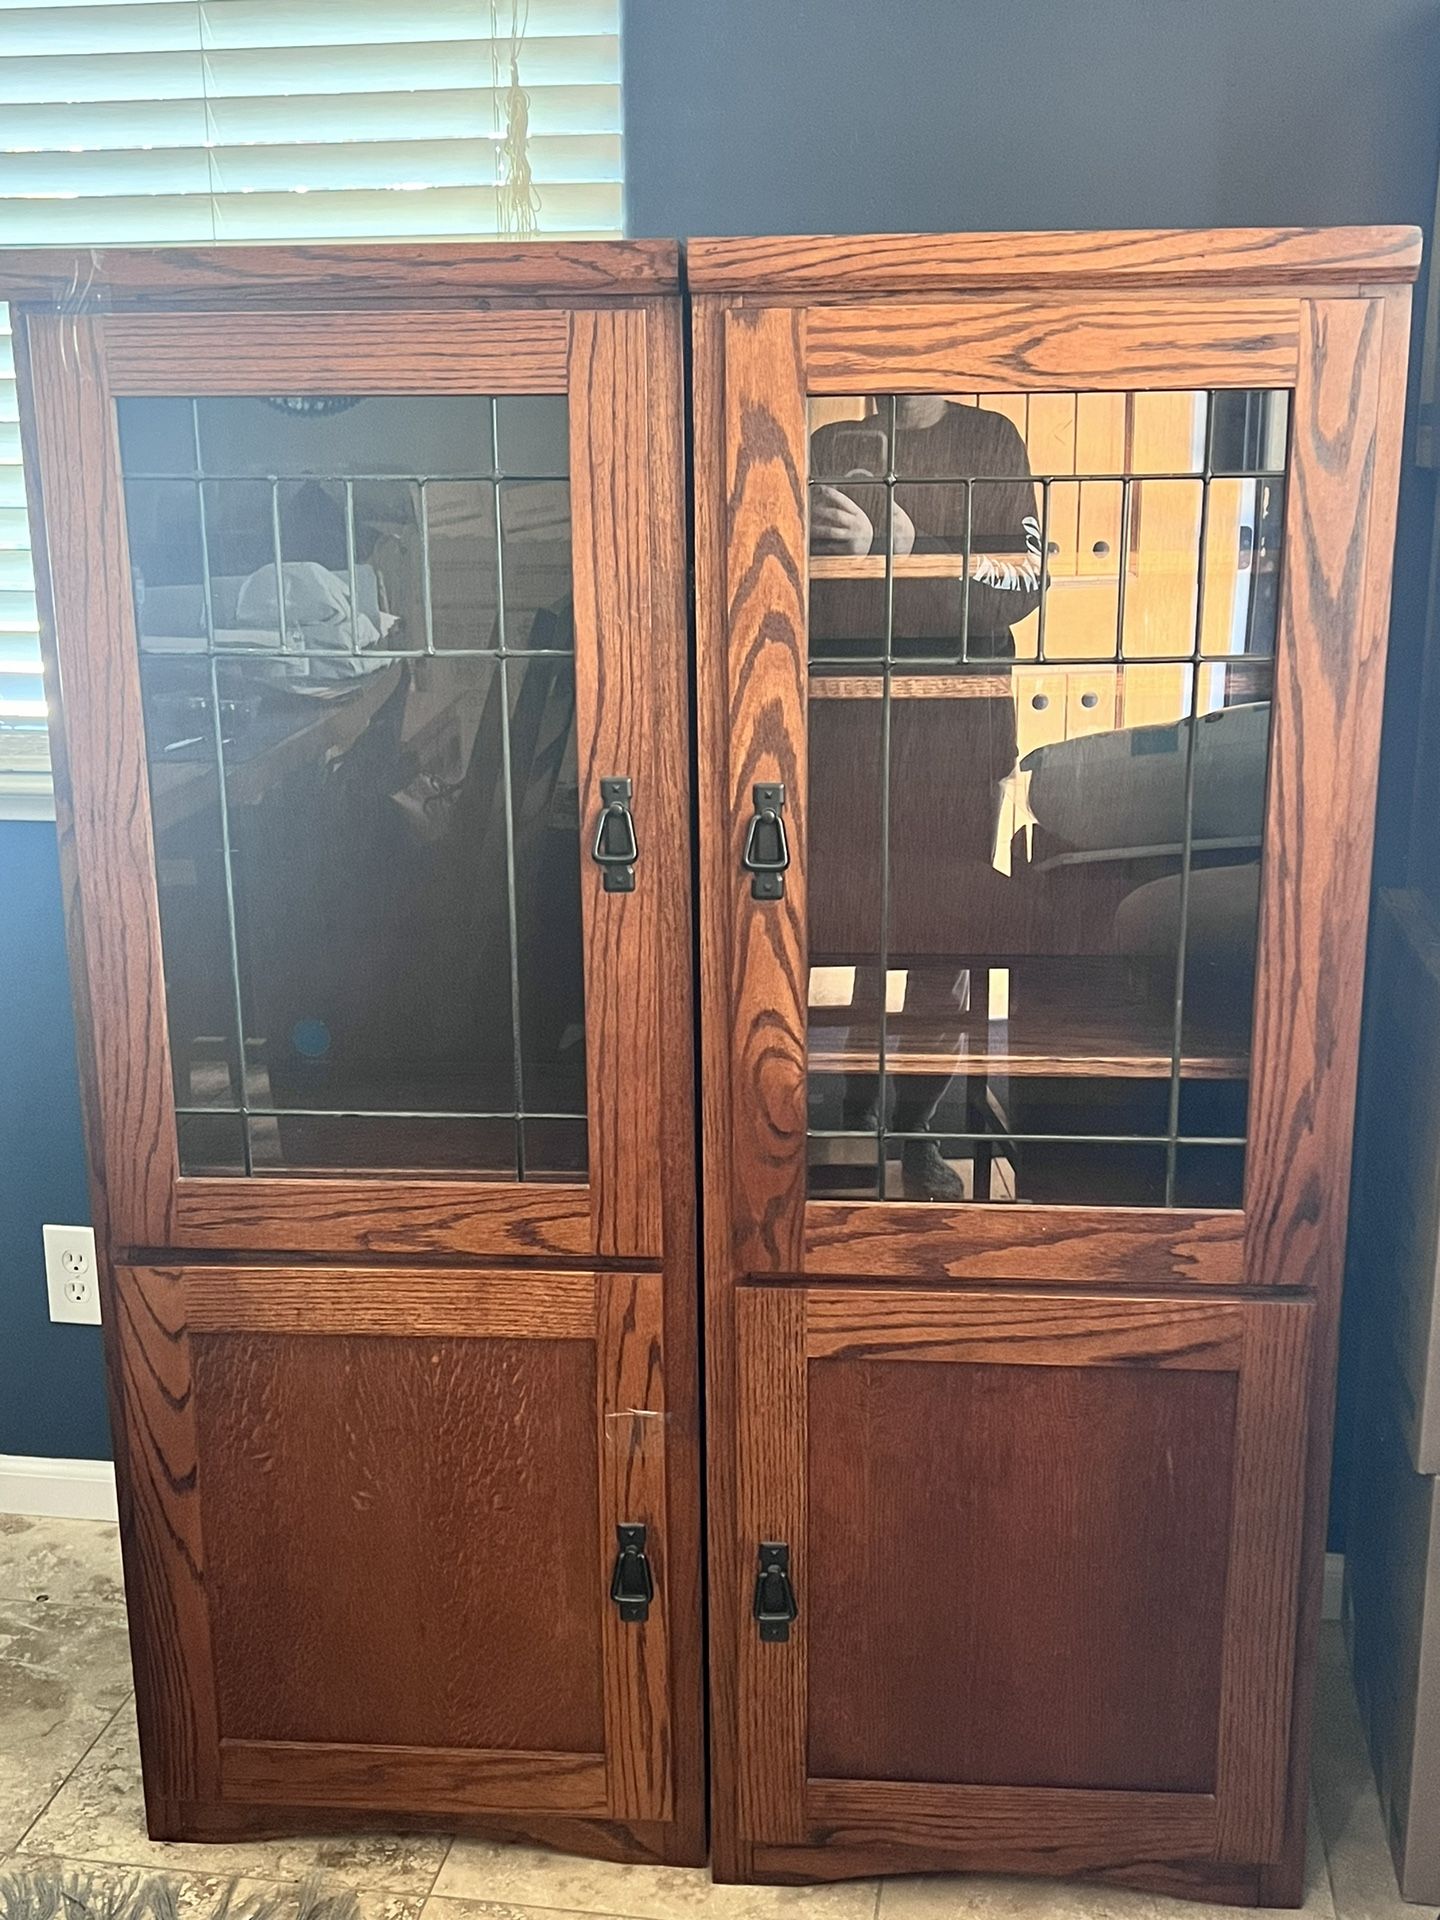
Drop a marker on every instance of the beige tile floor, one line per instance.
(70, 1793)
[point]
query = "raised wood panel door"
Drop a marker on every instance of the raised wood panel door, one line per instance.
(367, 654)
(379, 1515)
(1029, 1539)
(1042, 584)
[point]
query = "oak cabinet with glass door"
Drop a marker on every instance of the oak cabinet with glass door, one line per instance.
(365, 596)
(1042, 586)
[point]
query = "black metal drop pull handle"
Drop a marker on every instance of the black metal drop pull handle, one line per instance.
(632, 1585)
(767, 851)
(775, 1604)
(616, 849)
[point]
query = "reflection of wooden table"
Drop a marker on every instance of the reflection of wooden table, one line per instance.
(290, 737)
(1072, 1021)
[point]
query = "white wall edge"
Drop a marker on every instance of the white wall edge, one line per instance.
(57, 1489)
(1334, 1586)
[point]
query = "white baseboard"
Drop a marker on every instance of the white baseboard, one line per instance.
(60, 1489)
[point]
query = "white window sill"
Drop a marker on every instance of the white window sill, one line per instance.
(26, 796)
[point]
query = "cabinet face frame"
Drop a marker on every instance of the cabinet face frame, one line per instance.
(187, 1261)
(1323, 312)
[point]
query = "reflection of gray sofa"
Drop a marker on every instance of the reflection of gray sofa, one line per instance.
(1118, 797)
(1219, 919)
(1117, 792)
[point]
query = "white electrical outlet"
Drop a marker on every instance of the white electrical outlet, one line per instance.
(71, 1278)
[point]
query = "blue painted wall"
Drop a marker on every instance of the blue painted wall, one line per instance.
(52, 1397)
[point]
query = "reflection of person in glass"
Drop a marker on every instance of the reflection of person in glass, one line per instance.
(935, 440)
(938, 620)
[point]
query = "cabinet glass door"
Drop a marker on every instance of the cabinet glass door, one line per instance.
(356, 626)
(386, 776)
(1041, 646)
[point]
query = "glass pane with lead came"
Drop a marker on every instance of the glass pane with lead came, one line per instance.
(1042, 640)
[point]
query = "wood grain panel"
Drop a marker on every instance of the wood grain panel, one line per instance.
(772, 1439)
(609, 465)
(1016, 1573)
(1172, 256)
(1319, 817)
(765, 453)
(380, 1216)
(458, 1780)
(1119, 1245)
(1010, 346)
(410, 1303)
(1219, 1882)
(160, 1513)
(401, 1540)
(1352, 671)
(632, 1418)
(669, 659)
(1261, 1594)
(94, 691)
(716, 854)
(384, 352)
(369, 273)
(1023, 1330)
(1048, 1828)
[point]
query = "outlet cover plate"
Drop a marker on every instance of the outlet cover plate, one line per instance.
(72, 1277)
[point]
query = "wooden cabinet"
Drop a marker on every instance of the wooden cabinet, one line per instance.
(1042, 585)
(1041, 594)
(366, 609)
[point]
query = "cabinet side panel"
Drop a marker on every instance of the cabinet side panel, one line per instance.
(1319, 821)
(1344, 692)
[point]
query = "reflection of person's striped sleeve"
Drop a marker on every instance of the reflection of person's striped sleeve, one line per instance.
(1010, 576)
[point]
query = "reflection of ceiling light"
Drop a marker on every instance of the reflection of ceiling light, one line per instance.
(303, 404)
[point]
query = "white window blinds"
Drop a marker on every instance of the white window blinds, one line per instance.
(172, 122)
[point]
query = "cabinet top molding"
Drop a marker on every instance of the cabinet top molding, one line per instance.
(985, 262)
(100, 278)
